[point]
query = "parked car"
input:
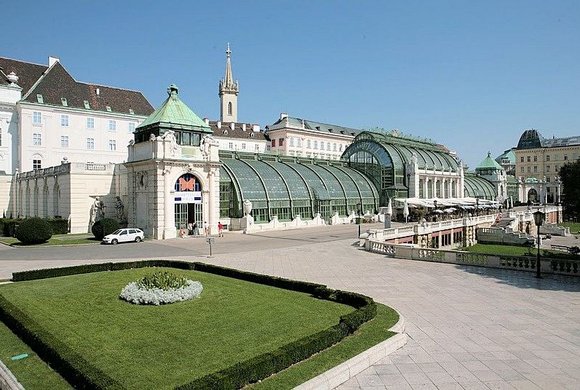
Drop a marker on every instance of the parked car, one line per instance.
(124, 235)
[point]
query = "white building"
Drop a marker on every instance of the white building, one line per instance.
(49, 117)
(292, 136)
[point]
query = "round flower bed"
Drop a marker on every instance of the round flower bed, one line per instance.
(161, 288)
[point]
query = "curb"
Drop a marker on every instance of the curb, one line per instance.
(7, 380)
(355, 365)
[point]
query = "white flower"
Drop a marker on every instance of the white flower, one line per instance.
(139, 295)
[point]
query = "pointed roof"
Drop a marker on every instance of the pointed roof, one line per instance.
(489, 163)
(174, 114)
(56, 85)
(227, 84)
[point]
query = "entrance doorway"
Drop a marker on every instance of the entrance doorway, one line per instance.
(188, 202)
(532, 196)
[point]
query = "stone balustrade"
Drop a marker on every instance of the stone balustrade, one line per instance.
(523, 263)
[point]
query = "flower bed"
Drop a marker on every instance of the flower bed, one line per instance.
(160, 289)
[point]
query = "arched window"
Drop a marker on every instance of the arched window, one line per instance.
(229, 108)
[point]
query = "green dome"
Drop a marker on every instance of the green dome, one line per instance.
(488, 163)
(174, 114)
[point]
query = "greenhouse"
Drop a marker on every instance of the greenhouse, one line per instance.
(286, 187)
(478, 187)
(404, 166)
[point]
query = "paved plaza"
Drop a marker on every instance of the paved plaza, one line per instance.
(468, 327)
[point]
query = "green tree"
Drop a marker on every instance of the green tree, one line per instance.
(570, 176)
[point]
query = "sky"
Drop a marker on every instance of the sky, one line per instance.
(472, 75)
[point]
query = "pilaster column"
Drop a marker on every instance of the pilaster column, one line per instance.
(169, 230)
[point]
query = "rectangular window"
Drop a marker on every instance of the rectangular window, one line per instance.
(273, 143)
(64, 120)
(292, 142)
(299, 142)
(37, 139)
(529, 158)
(308, 144)
(112, 145)
(547, 168)
(90, 123)
(522, 159)
(328, 146)
(529, 169)
(231, 146)
(131, 127)
(535, 169)
(112, 125)
(90, 143)
(315, 144)
(243, 146)
(522, 169)
(565, 157)
(36, 118)
(36, 164)
(321, 145)
(64, 141)
(281, 142)
(334, 146)
(547, 157)
(257, 148)
(535, 158)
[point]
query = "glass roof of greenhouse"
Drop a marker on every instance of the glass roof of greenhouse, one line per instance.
(273, 178)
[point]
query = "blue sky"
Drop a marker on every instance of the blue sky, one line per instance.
(471, 75)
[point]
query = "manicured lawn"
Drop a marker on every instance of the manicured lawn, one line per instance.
(31, 372)
(493, 249)
(57, 239)
(574, 226)
(368, 335)
(165, 346)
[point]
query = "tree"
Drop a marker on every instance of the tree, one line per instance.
(570, 174)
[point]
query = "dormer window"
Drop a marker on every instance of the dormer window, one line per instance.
(131, 111)
(64, 102)
(39, 98)
(108, 108)
(225, 131)
(87, 105)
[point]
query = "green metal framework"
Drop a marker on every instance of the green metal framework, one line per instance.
(289, 186)
(478, 187)
(383, 158)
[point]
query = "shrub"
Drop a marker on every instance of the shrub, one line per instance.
(33, 231)
(103, 227)
(59, 225)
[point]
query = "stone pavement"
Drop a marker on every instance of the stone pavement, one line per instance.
(469, 327)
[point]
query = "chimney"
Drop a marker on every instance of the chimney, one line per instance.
(219, 124)
(206, 121)
(243, 126)
(232, 125)
(283, 115)
(98, 91)
(53, 60)
(256, 128)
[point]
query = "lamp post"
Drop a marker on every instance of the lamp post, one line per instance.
(538, 220)
(435, 208)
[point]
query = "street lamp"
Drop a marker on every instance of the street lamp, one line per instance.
(538, 220)
(435, 208)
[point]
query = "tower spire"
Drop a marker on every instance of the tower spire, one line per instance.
(228, 92)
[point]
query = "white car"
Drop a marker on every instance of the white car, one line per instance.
(124, 235)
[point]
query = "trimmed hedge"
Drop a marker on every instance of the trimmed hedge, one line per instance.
(33, 231)
(8, 226)
(103, 227)
(59, 225)
(73, 367)
(233, 377)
